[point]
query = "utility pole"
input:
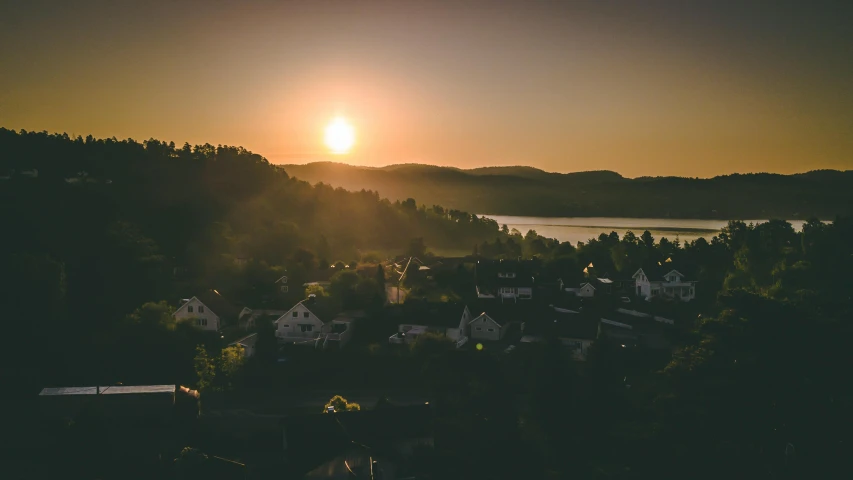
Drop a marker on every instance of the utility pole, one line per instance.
(400, 280)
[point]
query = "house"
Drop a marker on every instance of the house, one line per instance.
(443, 318)
(489, 326)
(586, 290)
(114, 426)
(492, 320)
(282, 285)
(248, 343)
(664, 281)
(314, 322)
(201, 315)
(599, 286)
(505, 279)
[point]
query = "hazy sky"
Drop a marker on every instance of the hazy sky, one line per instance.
(694, 88)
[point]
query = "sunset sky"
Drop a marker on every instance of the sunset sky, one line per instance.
(693, 88)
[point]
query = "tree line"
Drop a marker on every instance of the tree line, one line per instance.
(108, 225)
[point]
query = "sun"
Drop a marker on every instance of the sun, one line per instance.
(340, 136)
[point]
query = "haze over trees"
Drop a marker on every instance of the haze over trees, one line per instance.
(105, 226)
(533, 192)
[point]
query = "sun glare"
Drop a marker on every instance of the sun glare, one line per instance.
(340, 136)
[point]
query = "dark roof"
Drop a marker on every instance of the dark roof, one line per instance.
(639, 324)
(507, 311)
(576, 326)
(323, 307)
(656, 270)
(220, 305)
(439, 314)
(518, 281)
(564, 325)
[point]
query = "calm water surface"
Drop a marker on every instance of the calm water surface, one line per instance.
(581, 229)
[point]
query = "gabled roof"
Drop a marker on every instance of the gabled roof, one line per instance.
(504, 313)
(324, 309)
(656, 273)
(587, 283)
(188, 301)
(283, 277)
(223, 307)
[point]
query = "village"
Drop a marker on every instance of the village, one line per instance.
(323, 349)
(510, 304)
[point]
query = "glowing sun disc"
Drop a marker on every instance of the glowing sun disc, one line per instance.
(340, 136)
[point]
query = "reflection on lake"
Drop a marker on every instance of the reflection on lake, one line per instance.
(581, 229)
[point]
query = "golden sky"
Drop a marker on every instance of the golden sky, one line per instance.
(641, 88)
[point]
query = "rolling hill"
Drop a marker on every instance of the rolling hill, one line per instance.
(529, 191)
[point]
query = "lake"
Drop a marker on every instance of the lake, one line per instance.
(581, 229)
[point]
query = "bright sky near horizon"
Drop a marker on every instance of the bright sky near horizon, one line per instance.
(695, 88)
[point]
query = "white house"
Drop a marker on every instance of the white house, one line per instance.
(311, 322)
(299, 324)
(650, 283)
(484, 327)
(504, 279)
(586, 290)
(198, 313)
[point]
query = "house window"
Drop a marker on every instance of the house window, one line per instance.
(306, 314)
(479, 328)
(306, 328)
(295, 314)
(491, 329)
(284, 289)
(201, 322)
(200, 309)
(284, 325)
(189, 309)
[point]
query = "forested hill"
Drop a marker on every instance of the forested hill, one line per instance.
(103, 223)
(533, 192)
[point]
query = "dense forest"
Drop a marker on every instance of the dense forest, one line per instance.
(94, 228)
(532, 192)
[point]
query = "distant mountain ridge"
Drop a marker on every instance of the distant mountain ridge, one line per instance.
(524, 190)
